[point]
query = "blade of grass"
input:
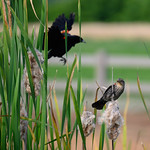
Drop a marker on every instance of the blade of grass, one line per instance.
(23, 32)
(3, 121)
(31, 2)
(15, 124)
(64, 135)
(142, 97)
(41, 29)
(66, 96)
(75, 124)
(125, 119)
(29, 135)
(3, 132)
(57, 108)
(44, 89)
(102, 137)
(3, 98)
(95, 113)
(78, 116)
(54, 121)
(33, 137)
(69, 117)
(79, 16)
(79, 70)
(51, 129)
(37, 128)
(25, 16)
(107, 143)
(66, 38)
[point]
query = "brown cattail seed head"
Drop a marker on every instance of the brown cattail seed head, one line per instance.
(113, 120)
(23, 123)
(36, 73)
(88, 124)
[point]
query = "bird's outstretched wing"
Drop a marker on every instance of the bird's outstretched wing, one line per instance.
(60, 22)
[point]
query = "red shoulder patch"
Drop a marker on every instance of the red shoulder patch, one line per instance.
(63, 31)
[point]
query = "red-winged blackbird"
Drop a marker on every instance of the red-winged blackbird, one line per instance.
(117, 89)
(56, 37)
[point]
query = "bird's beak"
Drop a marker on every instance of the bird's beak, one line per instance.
(83, 41)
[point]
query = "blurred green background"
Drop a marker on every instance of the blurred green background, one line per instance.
(108, 12)
(97, 10)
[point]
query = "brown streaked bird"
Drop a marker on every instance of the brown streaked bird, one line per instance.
(56, 37)
(112, 92)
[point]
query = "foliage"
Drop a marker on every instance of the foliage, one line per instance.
(46, 126)
(100, 10)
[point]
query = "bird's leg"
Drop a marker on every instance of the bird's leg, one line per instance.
(64, 60)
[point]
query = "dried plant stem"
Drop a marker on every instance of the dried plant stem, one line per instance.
(4, 13)
(112, 144)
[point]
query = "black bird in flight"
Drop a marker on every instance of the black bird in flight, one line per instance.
(110, 93)
(56, 37)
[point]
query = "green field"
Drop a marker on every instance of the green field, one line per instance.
(114, 47)
(88, 72)
(129, 74)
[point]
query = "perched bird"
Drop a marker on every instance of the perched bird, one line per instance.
(56, 37)
(112, 92)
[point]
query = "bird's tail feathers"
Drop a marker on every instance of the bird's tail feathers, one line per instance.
(99, 104)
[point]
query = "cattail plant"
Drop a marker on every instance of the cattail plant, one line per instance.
(112, 119)
(88, 125)
(87, 119)
(23, 123)
(36, 72)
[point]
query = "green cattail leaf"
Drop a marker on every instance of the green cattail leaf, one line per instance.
(52, 141)
(3, 121)
(23, 32)
(102, 137)
(125, 120)
(66, 96)
(57, 108)
(25, 16)
(15, 122)
(29, 136)
(41, 29)
(142, 97)
(78, 116)
(31, 2)
(54, 120)
(37, 129)
(51, 129)
(66, 37)
(45, 68)
(79, 16)
(2, 94)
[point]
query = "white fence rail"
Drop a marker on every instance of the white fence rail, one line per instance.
(101, 61)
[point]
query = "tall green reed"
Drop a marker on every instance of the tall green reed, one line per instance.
(13, 58)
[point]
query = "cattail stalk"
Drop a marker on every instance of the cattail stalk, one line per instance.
(4, 13)
(88, 125)
(112, 144)
(112, 100)
(9, 18)
(36, 72)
